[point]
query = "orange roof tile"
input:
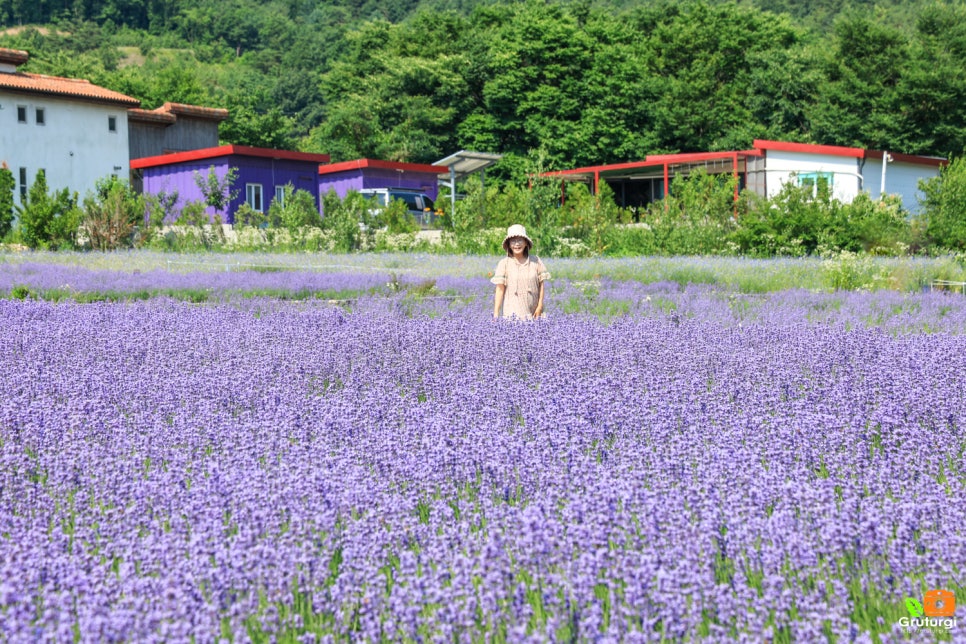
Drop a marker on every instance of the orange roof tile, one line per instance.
(70, 87)
(13, 56)
(150, 116)
(196, 111)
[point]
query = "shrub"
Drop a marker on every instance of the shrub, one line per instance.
(348, 220)
(296, 211)
(878, 226)
(217, 191)
(7, 186)
(113, 216)
(697, 217)
(944, 203)
(396, 218)
(48, 220)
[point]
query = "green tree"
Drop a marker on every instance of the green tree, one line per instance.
(269, 129)
(346, 219)
(114, 216)
(7, 186)
(48, 220)
(295, 212)
(931, 94)
(943, 205)
(857, 104)
(218, 190)
(699, 60)
(390, 100)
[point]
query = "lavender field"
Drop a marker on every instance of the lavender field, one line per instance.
(364, 455)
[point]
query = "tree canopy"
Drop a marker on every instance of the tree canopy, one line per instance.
(576, 83)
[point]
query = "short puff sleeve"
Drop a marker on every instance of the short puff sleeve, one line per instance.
(499, 275)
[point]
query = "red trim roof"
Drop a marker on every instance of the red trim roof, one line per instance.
(359, 164)
(67, 87)
(858, 153)
(224, 151)
(810, 148)
(657, 159)
(761, 148)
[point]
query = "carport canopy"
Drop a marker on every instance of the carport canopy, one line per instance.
(461, 165)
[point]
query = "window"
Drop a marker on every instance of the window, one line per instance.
(23, 184)
(21, 114)
(40, 116)
(253, 196)
(820, 182)
(280, 195)
(112, 124)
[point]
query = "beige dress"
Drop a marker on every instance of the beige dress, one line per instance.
(522, 281)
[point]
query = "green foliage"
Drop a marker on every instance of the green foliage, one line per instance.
(348, 220)
(944, 205)
(697, 217)
(48, 220)
(161, 208)
(397, 219)
(846, 270)
(114, 216)
(268, 129)
(248, 217)
(586, 83)
(875, 226)
(862, 69)
(7, 186)
(296, 212)
(193, 214)
(795, 222)
(217, 190)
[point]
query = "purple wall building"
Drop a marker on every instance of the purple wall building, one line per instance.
(369, 173)
(262, 174)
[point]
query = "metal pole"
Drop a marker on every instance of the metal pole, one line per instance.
(452, 190)
(885, 160)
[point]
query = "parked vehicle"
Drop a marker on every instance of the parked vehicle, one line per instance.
(419, 204)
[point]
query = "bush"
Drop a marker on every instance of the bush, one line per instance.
(698, 217)
(396, 218)
(48, 220)
(296, 212)
(347, 220)
(944, 206)
(7, 186)
(877, 226)
(113, 216)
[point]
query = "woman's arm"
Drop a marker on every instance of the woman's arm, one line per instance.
(539, 310)
(498, 299)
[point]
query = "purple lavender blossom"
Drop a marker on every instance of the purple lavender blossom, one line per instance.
(696, 465)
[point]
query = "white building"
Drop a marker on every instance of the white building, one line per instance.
(844, 171)
(75, 131)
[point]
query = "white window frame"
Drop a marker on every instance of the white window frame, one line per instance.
(112, 124)
(254, 196)
(21, 111)
(23, 184)
(280, 195)
(40, 115)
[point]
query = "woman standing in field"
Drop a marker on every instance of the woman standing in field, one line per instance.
(519, 278)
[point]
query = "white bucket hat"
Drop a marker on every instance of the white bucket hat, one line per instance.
(516, 230)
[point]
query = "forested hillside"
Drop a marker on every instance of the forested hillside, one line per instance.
(573, 83)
